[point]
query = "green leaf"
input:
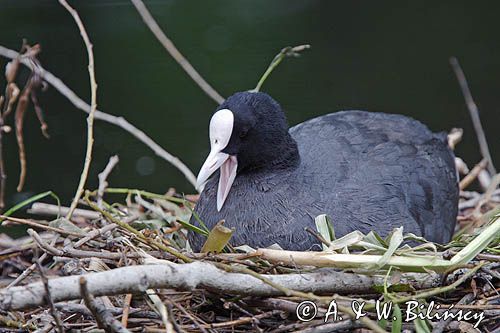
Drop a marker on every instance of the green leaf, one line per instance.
(153, 224)
(373, 238)
(31, 200)
(382, 323)
(399, 287)
(421, 326)
(479, 243)
(397, 323)
(65, 224)
(396, 238)
(217, 239)
(347, 240)
(325, 229)
(191, 227)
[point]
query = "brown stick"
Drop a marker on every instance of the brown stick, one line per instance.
(40, 226)
(93, 107)
(472, 175)
(115, 120)
(49, 301)
(21, 107)
(175, 53)
(103, 317)
(474, 113)
(126, 309)
(103, 176)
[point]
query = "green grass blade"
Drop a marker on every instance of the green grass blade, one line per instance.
(479, 243)
(397, 320)
(395, 240)
(31, 200)
(325, 229)
(191, 227)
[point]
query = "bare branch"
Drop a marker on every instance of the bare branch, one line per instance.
(474, 113)
(93, 107)
(38, 225)
(48, 296)
(112, 119)
(42, 208)
(103, 317)
(288, 51)
(175, 53)
(472, 175)
(137, 279)
(113, 160)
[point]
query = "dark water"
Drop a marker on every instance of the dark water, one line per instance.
(378, 56)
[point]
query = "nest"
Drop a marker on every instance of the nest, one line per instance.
(124, 266)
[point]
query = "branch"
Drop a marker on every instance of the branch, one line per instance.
(285, 52)
(175, 53)
(113, 160)
(48, 298)
(42, 208)
(472, 175)
(93, 107)
(112, 119)
(474, 113)
(103, 317)
(137, 279)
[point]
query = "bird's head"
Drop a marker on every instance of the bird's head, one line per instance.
(248, 131)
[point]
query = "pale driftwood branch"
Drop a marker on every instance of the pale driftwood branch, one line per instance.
(93, 107)
(175, 53)
(115, 120)
(474, 113)
(103, 176)
(137, 279)
(40, 208)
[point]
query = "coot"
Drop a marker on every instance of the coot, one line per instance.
(367, 171)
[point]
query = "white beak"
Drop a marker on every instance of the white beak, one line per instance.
(228, 165)
(221, 127)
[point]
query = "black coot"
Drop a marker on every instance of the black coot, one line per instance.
(367, 171)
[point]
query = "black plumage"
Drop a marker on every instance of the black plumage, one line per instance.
(367, 171)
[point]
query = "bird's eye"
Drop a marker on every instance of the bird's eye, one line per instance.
(216, 141)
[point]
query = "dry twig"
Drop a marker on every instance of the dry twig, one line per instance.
(93, 107)
(115, 120)
(474, 113)
(472, 175)
(103, 317)
(175, 53)
(113, 160)
(48, 298)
